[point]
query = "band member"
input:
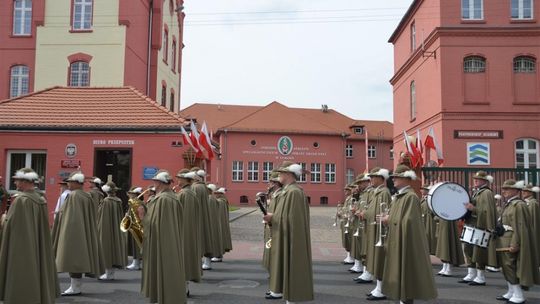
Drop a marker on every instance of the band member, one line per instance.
(517, 252)
(346, 219)
(95, 191)
(64, 192)
(4, 195)
(449, 249)
(213, 207)
(428, 219)
(359, 193)
(27, 269)
(534, 212)
(365, 197)
(291, 274)
(76, 247)
(407, 272)
(113, 241)
(274, 187)
(133, 194)
(483, 215)
(225, 227)
(163, 274)
(192, 242)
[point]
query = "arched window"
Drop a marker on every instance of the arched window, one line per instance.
(524, 64)
(163, 94)
(413, 100)
(22, 17)
(171, 105)
(173, 54)
(79, 74)
(165, 45)
(19, 81)
(474, 64)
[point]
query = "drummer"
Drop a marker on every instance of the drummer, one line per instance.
(482, 215)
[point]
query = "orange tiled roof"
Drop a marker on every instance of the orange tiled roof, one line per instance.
(217, 115)
(76, 108)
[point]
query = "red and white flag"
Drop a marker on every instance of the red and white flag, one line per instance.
(416, 157)
(420, 147)
(206, 141)
(187, 139)
(431, 143)
(194, 135)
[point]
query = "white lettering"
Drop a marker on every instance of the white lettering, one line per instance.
(128, 142)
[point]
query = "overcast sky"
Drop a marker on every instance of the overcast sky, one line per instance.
(302, 53)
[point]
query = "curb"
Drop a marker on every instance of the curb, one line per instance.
(241, 215)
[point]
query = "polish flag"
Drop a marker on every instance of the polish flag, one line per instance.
(431, 143)
(419, 146)
(206, 141)
(416, 157)
(187, 139)
(195, 139)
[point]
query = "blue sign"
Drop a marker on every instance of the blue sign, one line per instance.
(478, 154)
(149, 172)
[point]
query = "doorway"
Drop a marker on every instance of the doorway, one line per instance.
(115, 163)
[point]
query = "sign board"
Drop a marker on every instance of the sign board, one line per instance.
(71, 150)
(149, 172)
(478, 154)
(484, 134)
(70, 163)
(285, 145)
(113, 142)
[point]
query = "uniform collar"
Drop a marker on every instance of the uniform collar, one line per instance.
(403, 190)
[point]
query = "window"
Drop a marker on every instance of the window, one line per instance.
(522, 9)
(171, 106)
(413, 101)
(79, 74)
(524, 64)
(330, 173)
(302, 178)
(349, 176)
(267, 168)
(165, 46)
(413, 37)
(18, 159)
(348, 151)
(82, 14)
(474, 64)
(372, 151)
(472, 9)
(253, 171)
(244, 199)
(359, 130)
(315, 173)
(324, 200)
(237, 171)
(22, 17)
(391, 152)
(19, 81)
(527, 153)
(163, 95)
(173, 55)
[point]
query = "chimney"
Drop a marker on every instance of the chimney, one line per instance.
(324, 108)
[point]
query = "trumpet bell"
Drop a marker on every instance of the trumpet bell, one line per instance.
(357, 233)
(268, 244)
(125, 225)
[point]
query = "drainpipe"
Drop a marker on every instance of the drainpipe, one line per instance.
(149, 55)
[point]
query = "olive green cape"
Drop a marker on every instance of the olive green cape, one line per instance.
(163, 274)
(267, 229)
(449, 248)
(375, 256)
(27, 269)
(192, 232)
(534, 211)
(429, 225)
(217, 220)
(207, 222)
(113, 241)
(484, 216)
(290, 266)
(225, 227)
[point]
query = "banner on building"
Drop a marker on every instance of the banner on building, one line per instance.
(478, 154)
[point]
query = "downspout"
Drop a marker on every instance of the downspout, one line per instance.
(149, 55)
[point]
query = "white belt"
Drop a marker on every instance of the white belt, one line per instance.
(508, 228)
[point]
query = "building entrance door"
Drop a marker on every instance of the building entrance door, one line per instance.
(116, 164)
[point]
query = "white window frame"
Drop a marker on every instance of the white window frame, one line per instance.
(238, 171)
(302, 178)
(349, 175)
(315, 176)
(521, 10)
(84, 20)
(372, 151)
(524, 64)
(267, 168)
(28, 164)
(330, 173)
(474, 64)
(22, 25)
(253, 171)
(19, 80)
(349, 150)
(471, 10)
(526, 151)
(413, 100)
(77, 68)
(359, 130)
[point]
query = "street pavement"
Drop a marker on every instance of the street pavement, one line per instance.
(241, 279)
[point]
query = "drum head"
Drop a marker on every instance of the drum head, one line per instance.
(447, 200)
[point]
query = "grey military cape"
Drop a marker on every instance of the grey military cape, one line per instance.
(27, 269)
(113, 241)
(163, 274)
(375, 256)
(192, 231)
(356, 241)
(516, 215)
(291, 266)
(366, 196)
(97, 197)
(534, 212)
(225, 227)
(407, 272)
(449, 248)
(429, 225)
(346, 232)
(76, 244)
(267, 230)
(484, 216)
(206, 221)
(217, 224)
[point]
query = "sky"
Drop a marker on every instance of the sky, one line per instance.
(302, 53)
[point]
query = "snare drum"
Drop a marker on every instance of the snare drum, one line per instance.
(447, 200)
(475, 236)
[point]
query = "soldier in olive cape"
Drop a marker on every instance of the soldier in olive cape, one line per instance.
(534, 211)
(192, 231)
(345, 223)
(163, 274)
(366, 199)
(27, 269)
(274, 187)
(224, 212)
(483, 215)
(134, 249)
(449, 249)
(95, 191)
(428, 219)
(380, 203)
(217, 219)
(77, 248)
(359, 225)
(64, 192)
(407, 272)
(291, 274)
(113, 241)
(517, 254)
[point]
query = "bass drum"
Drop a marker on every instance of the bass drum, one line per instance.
(447, 200)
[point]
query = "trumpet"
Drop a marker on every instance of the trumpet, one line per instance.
(337, 215)
(131, 221)
(383, 209)
(361, 206)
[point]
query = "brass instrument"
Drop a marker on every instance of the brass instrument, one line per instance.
(337, 215)
(383, 209)
(131, 221)
(361, 206)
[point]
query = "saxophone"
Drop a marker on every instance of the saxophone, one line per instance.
(131, 221)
